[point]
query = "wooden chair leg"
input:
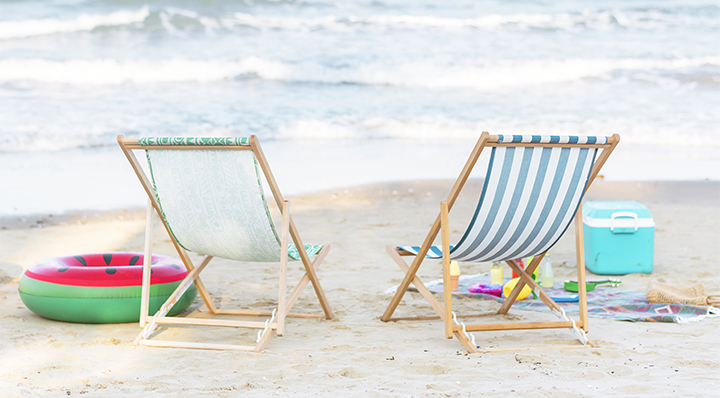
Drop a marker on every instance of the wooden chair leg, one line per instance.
(264, 340)
(410, 274)
(305, 279)
(172, 300)
(526, 279)
(205, 295)
(447, 290)
(192, 277)
(580, 253)
(419, 285)
(202, 290)
(510, 299)
(283, 268)
(465, 341)
(147, 264)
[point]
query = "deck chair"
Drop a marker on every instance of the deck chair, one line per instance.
(533, 187)
(208, 194)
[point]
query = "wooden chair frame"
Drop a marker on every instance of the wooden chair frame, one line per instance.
(441, 225)
(284, 305)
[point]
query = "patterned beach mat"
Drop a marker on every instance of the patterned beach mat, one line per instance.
(604, 302)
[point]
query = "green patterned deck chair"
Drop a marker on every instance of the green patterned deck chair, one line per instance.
(208, 193)
(532, 190)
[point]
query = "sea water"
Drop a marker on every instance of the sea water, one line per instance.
(347, 92)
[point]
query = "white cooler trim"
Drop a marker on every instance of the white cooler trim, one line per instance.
(617, 222)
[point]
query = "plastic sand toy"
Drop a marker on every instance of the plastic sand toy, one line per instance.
(493, 290)
(572, 286)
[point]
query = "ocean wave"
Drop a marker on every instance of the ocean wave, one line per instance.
(418, 129)
(646, 19)
(430, 129)
(113, 72)
(179, 22)
(43, 138)
(84, 22)
(481, 75)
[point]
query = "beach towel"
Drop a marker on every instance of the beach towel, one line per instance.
(604, 302)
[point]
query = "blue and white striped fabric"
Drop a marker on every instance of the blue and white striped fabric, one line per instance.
(433, 252)
(529, 198)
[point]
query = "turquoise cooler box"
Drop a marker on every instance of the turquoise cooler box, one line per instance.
(619, 237)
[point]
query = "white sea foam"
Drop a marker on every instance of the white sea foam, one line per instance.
(113, 72)
(84, 22)
(482, 75)
(416, 129)
(597, 20)
(431, 129)
(601, 20)
(38, 138)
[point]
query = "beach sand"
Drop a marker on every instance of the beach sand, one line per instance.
(356, 354)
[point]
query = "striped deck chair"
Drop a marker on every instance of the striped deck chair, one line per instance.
(533, 187)
(207, 192)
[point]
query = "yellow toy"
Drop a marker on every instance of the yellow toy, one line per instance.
(454, 275)
(511, 285)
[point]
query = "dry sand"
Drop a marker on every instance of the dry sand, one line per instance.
(356, 354)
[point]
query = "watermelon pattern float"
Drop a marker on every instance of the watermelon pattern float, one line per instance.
(101, 287)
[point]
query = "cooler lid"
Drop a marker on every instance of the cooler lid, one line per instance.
(617, 214)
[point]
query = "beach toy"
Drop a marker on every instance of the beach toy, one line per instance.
(493, 290)
(454, 268)
(101, 287)
(511, 285)
(566, 299)
(454, 275)
(572, 286)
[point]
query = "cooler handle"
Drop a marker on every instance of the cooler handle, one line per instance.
(623, 214)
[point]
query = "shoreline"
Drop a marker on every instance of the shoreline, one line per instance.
(78, 179)
(700, 191)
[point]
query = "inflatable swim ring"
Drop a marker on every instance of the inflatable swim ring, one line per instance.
(101, 287)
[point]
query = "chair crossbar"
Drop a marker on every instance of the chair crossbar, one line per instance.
(213, 322)
(264, 313)
(514, 326)
(536, 140)
(198, 346)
